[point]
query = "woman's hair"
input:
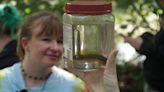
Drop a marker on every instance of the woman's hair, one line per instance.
(9, 19)
(48, 24)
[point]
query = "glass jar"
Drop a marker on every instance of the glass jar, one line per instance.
(88, 30)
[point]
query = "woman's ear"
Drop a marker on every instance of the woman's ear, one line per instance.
(24, 42)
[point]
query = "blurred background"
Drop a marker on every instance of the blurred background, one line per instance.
(132, 18)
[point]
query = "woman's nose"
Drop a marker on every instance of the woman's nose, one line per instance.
(55, 45)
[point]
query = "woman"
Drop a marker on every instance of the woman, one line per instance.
(9, 20)
(40, 46)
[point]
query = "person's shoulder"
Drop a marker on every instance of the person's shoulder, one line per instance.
(8, 71)
(62, 73)
(68, 79)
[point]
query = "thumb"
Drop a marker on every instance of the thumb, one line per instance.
(110, 75)
(111, 62)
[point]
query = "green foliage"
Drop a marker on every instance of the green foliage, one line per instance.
(27, 7)
(132, 11)
(136, 13)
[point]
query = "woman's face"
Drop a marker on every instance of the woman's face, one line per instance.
(44, 49)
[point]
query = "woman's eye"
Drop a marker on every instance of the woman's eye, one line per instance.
(60, 41)
(46, 39)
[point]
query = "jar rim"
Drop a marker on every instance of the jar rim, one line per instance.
(88, 7)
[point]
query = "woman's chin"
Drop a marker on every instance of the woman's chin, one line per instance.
(49, 62)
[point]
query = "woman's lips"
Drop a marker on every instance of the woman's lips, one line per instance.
(54, 57)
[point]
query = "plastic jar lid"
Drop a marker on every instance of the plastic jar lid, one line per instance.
(88, 7)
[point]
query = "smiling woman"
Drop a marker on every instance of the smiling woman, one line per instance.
(40, 46)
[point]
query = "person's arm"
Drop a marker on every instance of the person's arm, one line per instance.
(148, 44)
(143, 44)
(152, 46)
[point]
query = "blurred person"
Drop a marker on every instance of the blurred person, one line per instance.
(9, 21)
(40, 47)
(152, 46)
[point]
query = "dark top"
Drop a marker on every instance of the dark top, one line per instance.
(153, 48)
(8, 55)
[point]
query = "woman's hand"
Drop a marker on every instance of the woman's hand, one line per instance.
(103, 79)
(110, 74)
